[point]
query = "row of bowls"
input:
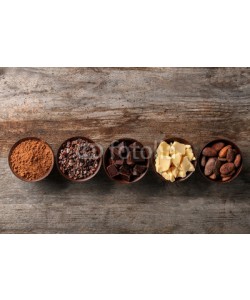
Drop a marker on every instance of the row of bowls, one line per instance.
(105, 158)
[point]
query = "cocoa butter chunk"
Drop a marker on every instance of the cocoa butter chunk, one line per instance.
(112, 170)
(210, 152)
(218, 146)
(209, 167)
(227, 168)
(230, 155)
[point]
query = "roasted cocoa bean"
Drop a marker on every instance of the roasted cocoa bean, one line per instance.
(230, 155)
(203, 161)
(213, 176)
(217, 166)
(218, 146)
(209, 152)
(222, 159)
(209, 167)
(227, 168)
(229, 174)
(226, 178)
(237, 160)
(223, 151)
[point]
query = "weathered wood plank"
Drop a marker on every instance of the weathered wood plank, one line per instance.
(198, 104)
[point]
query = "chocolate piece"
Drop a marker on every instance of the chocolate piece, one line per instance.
(121, 145)
(125, 177)
(138, 156)
(140, 169)
(119, 152)
(112, 170)
(135, 171)
(134, 145)
(111, 161)
(114, 153)
(130, 160)
(124, 170)
(122, 149)
(119, 162)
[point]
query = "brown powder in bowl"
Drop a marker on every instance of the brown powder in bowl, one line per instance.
(31, 159)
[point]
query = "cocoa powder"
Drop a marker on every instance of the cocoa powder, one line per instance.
(31, 159)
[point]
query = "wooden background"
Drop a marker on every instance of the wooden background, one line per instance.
(198, 104)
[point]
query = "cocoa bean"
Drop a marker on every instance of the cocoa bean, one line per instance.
(218, 146)
(223, 151)
(209, 167)
(237, 160)
(217, 166)
(203, 161)
(230, 155)
(222, 159)
(227, 168)
(213, 176)
(229, 174)
(226, 178)
(210, 152)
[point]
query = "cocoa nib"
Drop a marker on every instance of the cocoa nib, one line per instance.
(78, 159)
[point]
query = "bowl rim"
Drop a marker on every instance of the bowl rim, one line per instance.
(34, 139)
(229, 142)
(171, 140)
(122, 181)
(83, 179)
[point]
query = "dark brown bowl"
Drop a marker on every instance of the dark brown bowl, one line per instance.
(228, 143)
(171, 140)
(90, 141)
(23, 140)
(107, 156)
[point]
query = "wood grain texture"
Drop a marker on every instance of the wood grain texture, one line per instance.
(198, 104)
